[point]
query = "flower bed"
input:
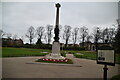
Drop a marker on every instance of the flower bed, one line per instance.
(66, 60)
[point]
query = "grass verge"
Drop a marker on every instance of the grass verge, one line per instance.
(22, 52)
(63, 53)
(86, 55)
(117, 77)
(92, 55)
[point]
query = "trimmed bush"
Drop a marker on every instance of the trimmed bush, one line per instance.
(73, 48)
(63, 54)
(43, 46)
(38, 46)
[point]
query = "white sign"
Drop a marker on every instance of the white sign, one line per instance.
(105, 56)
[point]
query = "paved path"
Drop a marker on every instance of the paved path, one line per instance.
(17, 68)
(71, 56)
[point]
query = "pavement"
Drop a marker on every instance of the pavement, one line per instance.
(17, 67)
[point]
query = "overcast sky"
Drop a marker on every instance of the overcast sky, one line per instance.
(19, 16)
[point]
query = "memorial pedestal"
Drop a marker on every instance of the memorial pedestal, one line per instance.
(56, 45)
(55, 52)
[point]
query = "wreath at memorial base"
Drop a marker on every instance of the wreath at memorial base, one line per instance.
(64, 61)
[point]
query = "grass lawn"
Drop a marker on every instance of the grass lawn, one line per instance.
(21, 52)
(118, 58)
(91, 55)
(86, 54)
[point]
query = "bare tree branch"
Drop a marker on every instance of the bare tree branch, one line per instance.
(97, 36)
(40, 31)
(84, 33)
(30, 34)
(67, 34)
(2, 33)
(15, 36)
(49, 29)
(75, 35)
(9, 35)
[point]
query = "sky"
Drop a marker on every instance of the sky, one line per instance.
(17, 17)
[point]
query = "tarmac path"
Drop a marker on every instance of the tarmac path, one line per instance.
(16, 67)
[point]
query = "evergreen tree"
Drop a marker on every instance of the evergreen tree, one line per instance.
(117, 38)
(39, 41)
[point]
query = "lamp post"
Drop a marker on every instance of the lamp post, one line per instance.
(96, 41)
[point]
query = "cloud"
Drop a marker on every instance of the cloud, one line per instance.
(19, 16)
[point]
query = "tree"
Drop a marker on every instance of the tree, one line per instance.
(45, 38)
(15, 37)
(104, 32)
(30, 33)
(109, 34)
(75, 35)
(40, 31)
(2, 33)
(22, 38)
(96, 36)
(48, 35)
(117, 37)
(9, 35)
(88, 38)
(66, 34)
(84, 33)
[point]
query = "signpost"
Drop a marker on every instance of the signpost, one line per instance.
(106, 56)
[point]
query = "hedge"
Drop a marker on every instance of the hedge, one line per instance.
(73, 48)
(44, 46)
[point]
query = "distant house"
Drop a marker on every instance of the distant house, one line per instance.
(18, 41)
(11, 42)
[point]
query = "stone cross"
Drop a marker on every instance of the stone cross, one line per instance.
(56, 31)
(56, 45)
